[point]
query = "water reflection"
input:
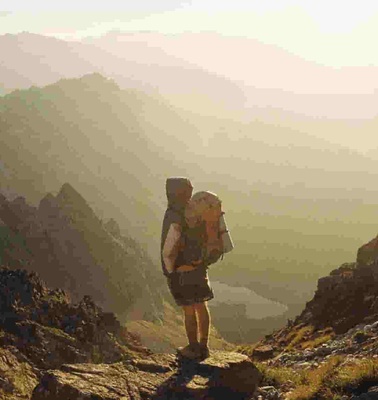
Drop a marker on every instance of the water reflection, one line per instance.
(257, 307)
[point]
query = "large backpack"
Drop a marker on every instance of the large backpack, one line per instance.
(207, 226)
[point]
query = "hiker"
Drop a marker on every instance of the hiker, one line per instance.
(186, 272)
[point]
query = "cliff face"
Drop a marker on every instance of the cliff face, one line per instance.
(66, 243)
(330, 350)
(348, 296)
(345, 301)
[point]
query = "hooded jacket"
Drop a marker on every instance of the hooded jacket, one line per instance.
(178, 191)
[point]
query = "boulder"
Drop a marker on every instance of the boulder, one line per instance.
(263, 352)
(17, 377)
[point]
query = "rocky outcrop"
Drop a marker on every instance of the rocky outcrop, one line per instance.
(263, 352)
(66, 243)
(357, 347)
(223, 375)
(51, 348)
(346, 298)
(17, 377)
(46, 327)
(343, 299)
(368, 253)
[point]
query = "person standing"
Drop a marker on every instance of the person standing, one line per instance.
(186, 275)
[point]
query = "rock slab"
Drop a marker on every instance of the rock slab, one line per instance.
(157, 377)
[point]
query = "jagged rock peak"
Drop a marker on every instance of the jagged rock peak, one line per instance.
(73, 205)
(19, 287)
(70, 199)
(67, 193)
(368, 253)
(47, 202)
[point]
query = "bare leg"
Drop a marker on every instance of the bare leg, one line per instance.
(203, 316)
(191, 324)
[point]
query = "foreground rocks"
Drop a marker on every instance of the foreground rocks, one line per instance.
(360, 342)
(50, 330)
(18, 377)
(51, 348)
(223, 375)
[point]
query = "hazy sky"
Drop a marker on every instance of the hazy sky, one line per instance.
(333, 32)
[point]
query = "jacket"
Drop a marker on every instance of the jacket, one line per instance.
(178, 191)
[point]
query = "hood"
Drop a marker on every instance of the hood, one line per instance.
(179, 191)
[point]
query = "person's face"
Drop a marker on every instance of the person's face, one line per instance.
(186, 195)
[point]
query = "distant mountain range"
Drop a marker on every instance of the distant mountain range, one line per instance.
(286, 205)
(242, 74)
(296, 203)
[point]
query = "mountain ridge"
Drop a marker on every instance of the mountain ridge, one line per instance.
(95, 135)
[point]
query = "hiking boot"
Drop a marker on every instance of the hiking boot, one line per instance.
(191, 351)
(205, 351)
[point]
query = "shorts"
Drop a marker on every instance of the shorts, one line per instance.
(190, 287)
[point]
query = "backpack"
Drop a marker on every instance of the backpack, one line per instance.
(206, 227)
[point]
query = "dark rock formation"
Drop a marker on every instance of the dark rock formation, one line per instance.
(348, 296)
(263, 352)
(45, 326)
(345, 298)
(368, 253)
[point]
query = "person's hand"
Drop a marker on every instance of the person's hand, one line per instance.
(185, 268)
(214, 256)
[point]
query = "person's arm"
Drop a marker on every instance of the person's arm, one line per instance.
(171, 246)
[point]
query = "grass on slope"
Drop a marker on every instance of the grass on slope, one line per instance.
(330, 381)
(169, 334)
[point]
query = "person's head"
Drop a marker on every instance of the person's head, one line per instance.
(179, 191)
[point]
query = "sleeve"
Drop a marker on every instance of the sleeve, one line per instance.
(171, 246)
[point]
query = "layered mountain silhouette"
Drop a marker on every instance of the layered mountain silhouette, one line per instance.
(65, 242)
(237, 72)
(118, 146)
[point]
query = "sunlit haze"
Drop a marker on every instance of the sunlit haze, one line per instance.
(272, 105)
(333, 33)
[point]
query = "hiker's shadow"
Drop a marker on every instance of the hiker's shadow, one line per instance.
(181, 386)
(175, 387)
